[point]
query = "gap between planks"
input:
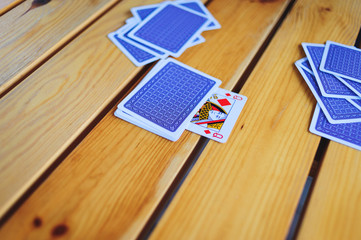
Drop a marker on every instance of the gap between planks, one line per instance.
(28, 70)
(8, 6)
(202, 143)
(135, 80)
(312, 177)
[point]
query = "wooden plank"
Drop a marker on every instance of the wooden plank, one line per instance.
(6, 5)
(249, 187)
(334, 210)
(123, 179)
(45, 113)
(29, 35)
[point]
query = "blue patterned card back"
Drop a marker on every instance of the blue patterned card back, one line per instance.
(138, 56)
(342, 60)
(170, 96)
(329, 85)
(337, 110)
(353, 85)
(169, 28)
(144, 11)
(132, 41)
(348, 134)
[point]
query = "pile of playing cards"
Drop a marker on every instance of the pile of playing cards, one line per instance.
(333, 73)
(173, 97)
(161, 30)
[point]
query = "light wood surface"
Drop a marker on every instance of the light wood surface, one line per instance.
(27, 38)
(45, 113)
(334, 210)
(249, 187)
(6, 5)
(111, 183)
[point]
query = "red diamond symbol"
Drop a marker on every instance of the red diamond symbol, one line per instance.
(227, 94)
(224, 102)
(207, 131)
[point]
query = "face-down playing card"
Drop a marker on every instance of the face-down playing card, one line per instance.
(342, 60)
(137, 55)
(143, 12)
(329, 85)
(348, 134)
(337, 110)
(167, 98)
(170, 28)
(123, 33)
(216, 118)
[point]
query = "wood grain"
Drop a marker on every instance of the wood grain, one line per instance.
(6, 5)
(112, 182)
(334, 210)
(45, 113)
(249, 188)
(27, 38)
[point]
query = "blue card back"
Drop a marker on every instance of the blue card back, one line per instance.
(329, 85)
(170, 29)
(157, 52)
(344, 133)
(353, 85)
(170, 96)
(337, 110)
(143, 12)
(138, 56)
(342, 60)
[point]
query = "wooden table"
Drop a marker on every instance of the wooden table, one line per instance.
(70, 169)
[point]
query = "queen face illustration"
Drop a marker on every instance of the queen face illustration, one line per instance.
(216, 115)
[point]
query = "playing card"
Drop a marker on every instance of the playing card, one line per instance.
(142, 12)
(197, 41)
(356, 103)
(123, 33)
(353, 85)
(216, 118)
(348, 134)
(337, 110)
(329, 85)
(198, 6)
(170, 28)
(342, 60)
(138, 56)
(168, 97)
(136, 121)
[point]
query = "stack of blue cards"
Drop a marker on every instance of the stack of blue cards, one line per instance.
(333, 73)
(174, 97)
(161, 30)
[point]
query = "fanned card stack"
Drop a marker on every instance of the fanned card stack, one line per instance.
(161, 30)
(174, 97)
(333, 73)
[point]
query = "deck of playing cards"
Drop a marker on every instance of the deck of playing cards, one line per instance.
(161, 30)
(333, 73)
(173, 97)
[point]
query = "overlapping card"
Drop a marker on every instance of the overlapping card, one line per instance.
(173, 97)
(333, 73)
(161, 30)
